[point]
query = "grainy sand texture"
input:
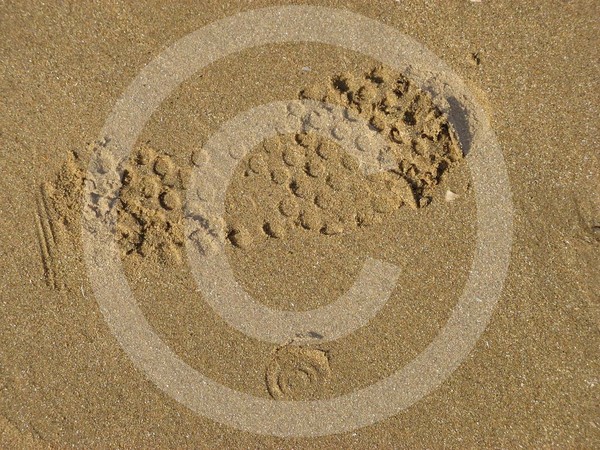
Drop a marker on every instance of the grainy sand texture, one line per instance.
(318, 225)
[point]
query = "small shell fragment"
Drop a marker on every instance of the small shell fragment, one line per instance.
(450, 196)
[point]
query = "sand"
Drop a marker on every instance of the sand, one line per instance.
(299, 220)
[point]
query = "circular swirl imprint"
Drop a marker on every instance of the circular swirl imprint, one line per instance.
(297, 373)
(388, 396)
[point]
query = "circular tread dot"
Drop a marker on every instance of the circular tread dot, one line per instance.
(307, 140)
(163, 165)
(239, 237)
(274, 228)
(316, 120)
(315, 168)
(324, 200)
(280, 175)
(327, 150)
(350, 162)
(337, 181)
(315, 92)
(170, 200)
(384, 202)
(205, 243)
(145, 155)
(366, 95)
(293, 156)
(257, 164)
(367, 218)
(296, 109)
(237, 152)
(310, 219)
(340, 131)
(289, 207)
(378, 122)
(149, 187)
(301, 188)
(273, 146)
(332, 228)
(170, 179)
(204, 190)
(199, 157)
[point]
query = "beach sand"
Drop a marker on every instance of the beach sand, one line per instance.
(300, 220)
